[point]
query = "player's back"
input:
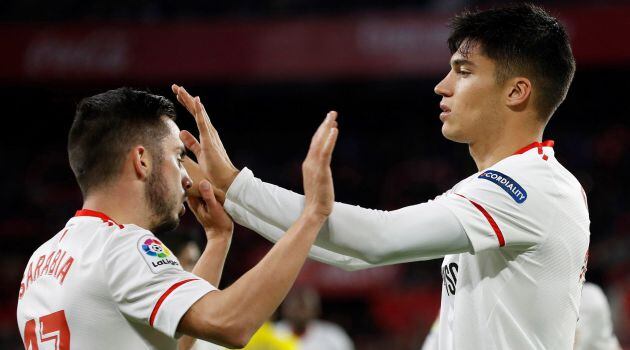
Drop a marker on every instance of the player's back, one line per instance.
(65, 296)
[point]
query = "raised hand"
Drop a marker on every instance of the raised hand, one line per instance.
(211, 155)
(318, 183)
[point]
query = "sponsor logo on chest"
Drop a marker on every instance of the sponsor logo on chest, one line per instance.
(516, 191)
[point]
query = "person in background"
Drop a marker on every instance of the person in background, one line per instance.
(595, 327)
(300, 311)
(268, 337)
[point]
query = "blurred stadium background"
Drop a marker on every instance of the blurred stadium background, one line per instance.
(268, 71)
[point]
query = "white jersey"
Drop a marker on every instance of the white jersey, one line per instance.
(99, 285)
(515, 280)
(527, 220)
(595, 327)
(319, 335)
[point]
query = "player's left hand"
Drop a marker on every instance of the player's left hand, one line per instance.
(209, 212)
(209, 150)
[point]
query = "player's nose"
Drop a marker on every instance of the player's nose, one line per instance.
(186, 182)
(442, 87)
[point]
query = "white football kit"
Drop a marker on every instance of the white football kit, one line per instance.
(514, 238)
(99, 285)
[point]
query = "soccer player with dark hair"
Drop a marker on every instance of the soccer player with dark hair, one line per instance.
(513, 236)
(105, 281)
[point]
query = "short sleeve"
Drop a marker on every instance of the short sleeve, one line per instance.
(148, 283)
(499, 209)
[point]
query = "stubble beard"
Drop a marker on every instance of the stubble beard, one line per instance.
(161, 204)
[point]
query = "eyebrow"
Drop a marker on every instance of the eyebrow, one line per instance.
(462, 61)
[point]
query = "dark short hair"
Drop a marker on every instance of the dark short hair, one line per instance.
(106, 126)
(523, 40)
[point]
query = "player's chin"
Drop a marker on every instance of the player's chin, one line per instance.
(453, 133)
(449, 132)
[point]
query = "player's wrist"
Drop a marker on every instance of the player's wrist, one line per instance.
(219, 235)
(228, 179)
(312, 216)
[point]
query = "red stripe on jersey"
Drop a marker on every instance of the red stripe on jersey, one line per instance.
(493, 223)
(161, 300)
(547, 143)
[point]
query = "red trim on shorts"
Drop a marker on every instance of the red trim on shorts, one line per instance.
(540, 145)
(98, 214)
(495, 227)
(161, 300)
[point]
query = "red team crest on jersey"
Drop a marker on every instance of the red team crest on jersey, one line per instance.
(156, 254)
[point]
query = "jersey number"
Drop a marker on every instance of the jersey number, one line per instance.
(51, 327)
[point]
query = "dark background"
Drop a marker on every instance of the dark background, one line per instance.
(390, 154)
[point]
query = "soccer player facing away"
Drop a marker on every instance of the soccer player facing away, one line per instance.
(513, 236)
(105, 281)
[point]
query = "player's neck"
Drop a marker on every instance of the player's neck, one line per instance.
(491, 149)
(120, 205)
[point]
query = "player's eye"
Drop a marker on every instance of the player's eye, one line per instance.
(463, 72)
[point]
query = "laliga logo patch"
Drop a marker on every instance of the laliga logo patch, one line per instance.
(156, 254)
(153, 247)
(506, 183)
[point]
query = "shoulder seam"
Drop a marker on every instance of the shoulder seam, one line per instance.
(552, 221)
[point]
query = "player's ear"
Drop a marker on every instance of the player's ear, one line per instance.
(518, 92)
(141, 162)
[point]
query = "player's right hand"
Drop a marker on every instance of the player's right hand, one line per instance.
(317, 176)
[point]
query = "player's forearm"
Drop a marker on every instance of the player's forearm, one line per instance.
(419, 232)
(252, 298)
(210, 264)
(209, 267)
(379, 237)
(274, 234)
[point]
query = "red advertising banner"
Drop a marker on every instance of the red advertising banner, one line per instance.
(360, 46)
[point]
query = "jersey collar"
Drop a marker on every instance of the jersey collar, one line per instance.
(539, 145)
(97, 214)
